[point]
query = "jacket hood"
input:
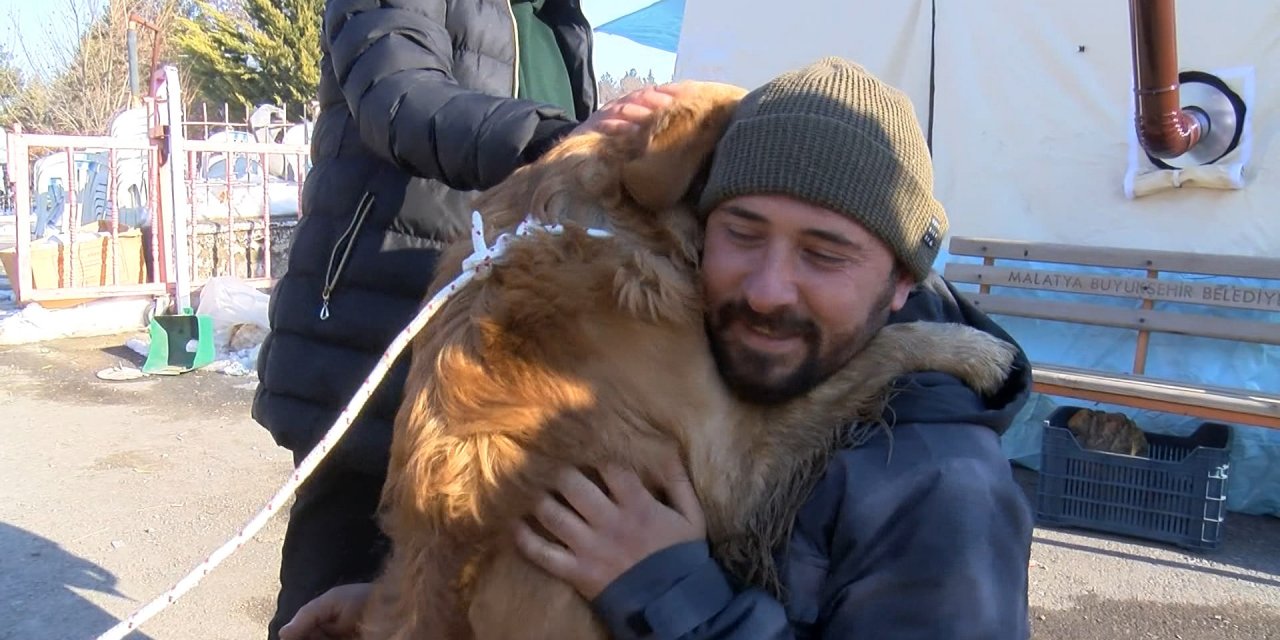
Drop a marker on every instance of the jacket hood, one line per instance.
(940, 398)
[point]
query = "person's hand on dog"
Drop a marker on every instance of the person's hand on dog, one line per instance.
(335, 615)
(629, 113)
(603, 535)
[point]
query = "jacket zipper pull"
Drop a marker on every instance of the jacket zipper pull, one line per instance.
(348, 237)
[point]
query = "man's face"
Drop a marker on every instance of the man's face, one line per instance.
(793, 292)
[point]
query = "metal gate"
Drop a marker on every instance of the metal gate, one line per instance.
(146, 211)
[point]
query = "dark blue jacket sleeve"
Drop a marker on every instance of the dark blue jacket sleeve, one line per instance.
(940, 554)
(393, 60)
(681, 592)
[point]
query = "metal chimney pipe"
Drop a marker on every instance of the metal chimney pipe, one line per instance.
(131, 40)
(1165, 129)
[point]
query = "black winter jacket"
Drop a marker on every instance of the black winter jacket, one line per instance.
(417, 113)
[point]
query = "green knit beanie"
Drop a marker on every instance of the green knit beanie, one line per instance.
(834, 135)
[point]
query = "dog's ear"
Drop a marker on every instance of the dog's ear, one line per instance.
(680, 143)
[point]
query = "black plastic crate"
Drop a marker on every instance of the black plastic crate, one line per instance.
(1177, 494)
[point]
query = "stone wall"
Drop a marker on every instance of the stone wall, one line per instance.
(238, 249)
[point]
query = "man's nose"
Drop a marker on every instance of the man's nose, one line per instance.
(771, 285)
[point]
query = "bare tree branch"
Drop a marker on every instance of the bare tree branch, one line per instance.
(80, 83)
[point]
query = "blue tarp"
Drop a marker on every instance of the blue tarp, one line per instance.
(657, 25)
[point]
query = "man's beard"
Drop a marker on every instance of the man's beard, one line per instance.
(750, 374)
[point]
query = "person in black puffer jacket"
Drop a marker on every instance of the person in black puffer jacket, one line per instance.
(423, 103)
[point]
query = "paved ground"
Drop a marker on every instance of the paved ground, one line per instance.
(109, 492)
(1087, 586)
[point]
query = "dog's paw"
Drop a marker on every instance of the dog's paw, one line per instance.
(978, 358)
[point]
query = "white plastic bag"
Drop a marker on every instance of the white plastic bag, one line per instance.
(231, 303)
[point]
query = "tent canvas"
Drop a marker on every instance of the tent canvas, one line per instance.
(656, 26)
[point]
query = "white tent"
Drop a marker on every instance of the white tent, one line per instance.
(1029, 107)
(1032, 117)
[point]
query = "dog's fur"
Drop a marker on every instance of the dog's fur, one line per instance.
(581, 350)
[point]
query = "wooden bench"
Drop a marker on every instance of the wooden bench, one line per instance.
(1004, 268)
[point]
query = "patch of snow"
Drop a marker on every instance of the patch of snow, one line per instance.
(34, 323)
(237, 363)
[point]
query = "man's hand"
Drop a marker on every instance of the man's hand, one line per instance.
(335, 615)
(603, 536)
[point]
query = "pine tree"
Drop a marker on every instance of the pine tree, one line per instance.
(259, 52)
(608, 88)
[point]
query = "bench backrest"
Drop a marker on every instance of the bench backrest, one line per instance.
(1004, 267)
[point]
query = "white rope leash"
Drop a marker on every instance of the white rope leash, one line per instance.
(477, 265)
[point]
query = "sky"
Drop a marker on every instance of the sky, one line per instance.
(41, 23)
(29, 29)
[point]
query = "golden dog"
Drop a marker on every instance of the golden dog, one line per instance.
(581, 350)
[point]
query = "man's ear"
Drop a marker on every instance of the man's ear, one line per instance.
(681, 141)
(903, 284)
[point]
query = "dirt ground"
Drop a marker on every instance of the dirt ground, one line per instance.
(112, 491)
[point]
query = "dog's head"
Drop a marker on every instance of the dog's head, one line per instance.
(639, 186)
(608, 181)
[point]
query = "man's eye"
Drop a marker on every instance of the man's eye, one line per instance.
(739, 235)
(826, 259)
